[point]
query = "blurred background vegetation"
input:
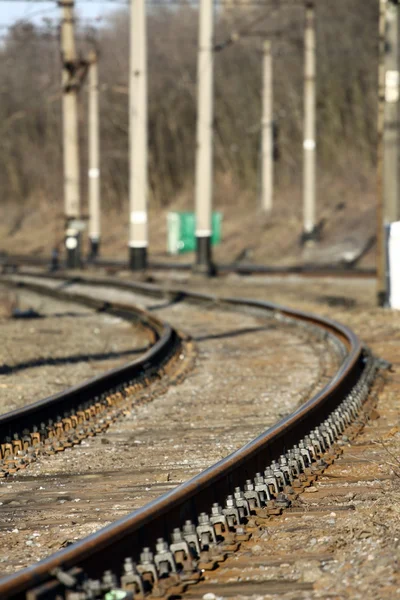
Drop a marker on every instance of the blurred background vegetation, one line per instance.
(30, 104)
(30, 116)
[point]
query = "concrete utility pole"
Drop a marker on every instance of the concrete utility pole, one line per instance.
(70, 86)
(94, 157)
(391, 127)
(267, 126)
(309, 143)
(138, 236)
(204, 154)
(381, 260)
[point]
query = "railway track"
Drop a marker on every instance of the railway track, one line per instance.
(164, 547)
(65, 419)
(155, 447)
(310, 270)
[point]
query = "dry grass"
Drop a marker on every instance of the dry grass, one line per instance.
(347, 211)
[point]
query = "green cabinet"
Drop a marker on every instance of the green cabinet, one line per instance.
(181, 231)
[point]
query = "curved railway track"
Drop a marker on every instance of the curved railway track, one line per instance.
(165, 546)
(65, 419)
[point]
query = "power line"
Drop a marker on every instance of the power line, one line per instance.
(38, 12)
(23, 21)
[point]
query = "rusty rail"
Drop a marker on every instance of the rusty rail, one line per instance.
(310, 431)
(64, 419)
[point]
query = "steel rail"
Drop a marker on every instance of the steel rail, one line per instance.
(177, 294)
(107, 548)
(19, 427)
(241, 268)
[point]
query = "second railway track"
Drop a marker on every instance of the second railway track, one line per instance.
(287, 457)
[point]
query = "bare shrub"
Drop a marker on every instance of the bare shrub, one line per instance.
(30, 111)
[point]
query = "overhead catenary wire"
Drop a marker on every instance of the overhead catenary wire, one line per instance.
(190, 3)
